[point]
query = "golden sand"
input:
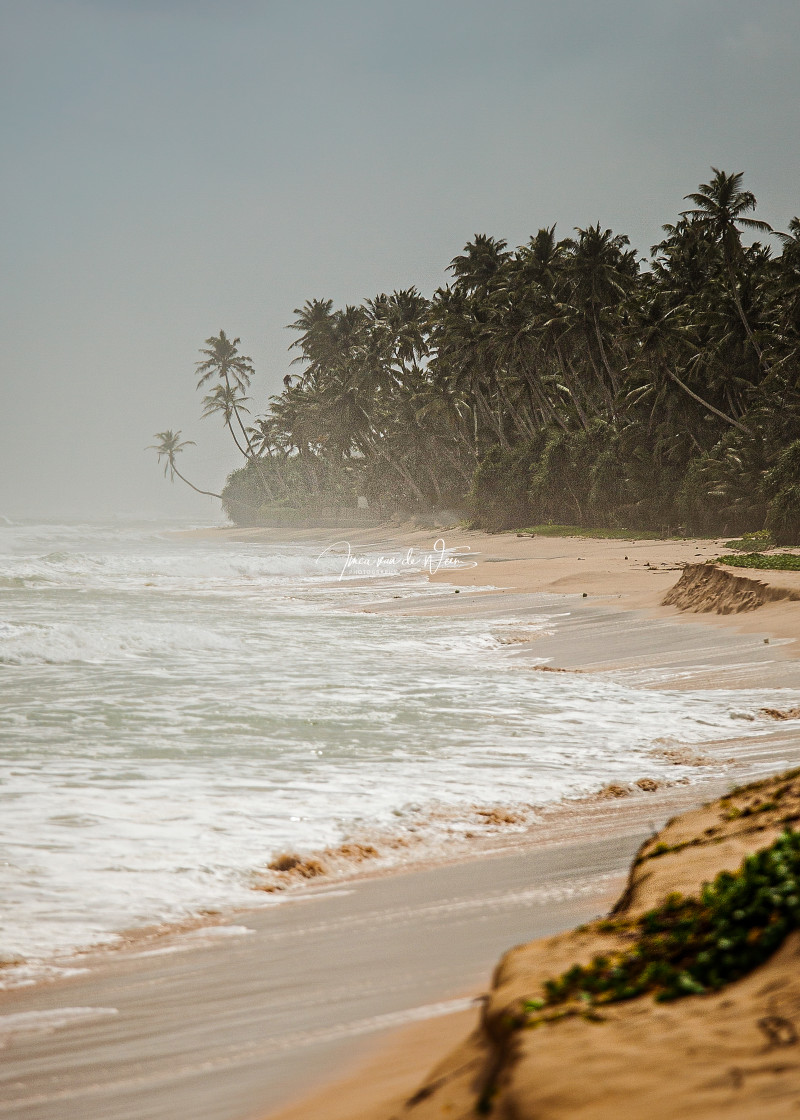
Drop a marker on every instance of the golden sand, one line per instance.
(733, 1054)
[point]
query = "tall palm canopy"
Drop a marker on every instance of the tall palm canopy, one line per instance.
(223, 361)
(567, 379)
(720, 207)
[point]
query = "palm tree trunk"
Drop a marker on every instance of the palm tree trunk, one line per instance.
(249, 454)
(236, 441)
(705, 404)
(196, 489)
(488, 413)
(601, 347)
(375, 444)
(740, 309)
(570, 380)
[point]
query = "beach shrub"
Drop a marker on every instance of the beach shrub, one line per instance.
(286, 488)
(631, 482)
(777, 562)
(551, 530)
(561, 479)
(242, 496)
(689, 946)
(753, 542)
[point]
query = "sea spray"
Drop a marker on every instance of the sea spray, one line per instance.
(176, 713)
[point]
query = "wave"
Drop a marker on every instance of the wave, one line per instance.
(187, 713)
(129, 558)
(184, 572)
(63, 642)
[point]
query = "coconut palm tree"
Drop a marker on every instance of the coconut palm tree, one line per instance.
(226, 400)
(169, 446)
(720, 207)
(478, 265)
(602, 272)
(234, 371)
(662, 340)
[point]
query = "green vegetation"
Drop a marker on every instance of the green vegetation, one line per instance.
(597, 534)
(567, 381)
(777, 562)
(761, 541)
(667, 849)
(690, 946)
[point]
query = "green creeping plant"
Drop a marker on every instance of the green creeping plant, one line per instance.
(753, 542)
(688, 946)
(777, 562)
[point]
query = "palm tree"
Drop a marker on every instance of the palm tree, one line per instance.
(226, 400)
(168, 448)
(602, 272)
(263, 435)
(233, 370)
(720, 208)
(661, 340)
(315, 320)
(478, 265)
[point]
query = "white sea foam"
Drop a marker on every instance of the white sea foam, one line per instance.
(175, 713)
(64, 641)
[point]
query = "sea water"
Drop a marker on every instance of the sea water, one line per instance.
(175, 712)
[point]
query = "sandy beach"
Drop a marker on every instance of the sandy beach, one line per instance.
(727, 1053)
(621, 574)
(628, 581)
(356, 990)
(374, 512)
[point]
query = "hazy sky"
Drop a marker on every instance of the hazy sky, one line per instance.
(173, 167)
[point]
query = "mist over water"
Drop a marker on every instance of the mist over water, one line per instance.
(175, 712)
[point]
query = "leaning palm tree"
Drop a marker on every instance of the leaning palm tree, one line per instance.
(167, 449)
(233, 370)
(225, 400)
(720, 208)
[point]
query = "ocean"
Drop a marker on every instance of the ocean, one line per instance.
(176, 712)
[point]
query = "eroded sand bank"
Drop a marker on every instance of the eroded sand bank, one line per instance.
(732, 1053)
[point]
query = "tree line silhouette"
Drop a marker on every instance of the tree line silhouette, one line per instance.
(568, 380)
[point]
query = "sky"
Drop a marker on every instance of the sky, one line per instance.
(172, 168)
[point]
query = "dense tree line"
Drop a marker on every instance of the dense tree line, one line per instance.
(567, 380)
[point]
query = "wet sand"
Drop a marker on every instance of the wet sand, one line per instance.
(236, 1026)
(729, 1051)
(232, 1027)
(241, 1025)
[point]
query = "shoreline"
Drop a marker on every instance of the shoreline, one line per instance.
(626, 602)
(366, 1090)
(571, 652)
(631, 574)
(710, 1049)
